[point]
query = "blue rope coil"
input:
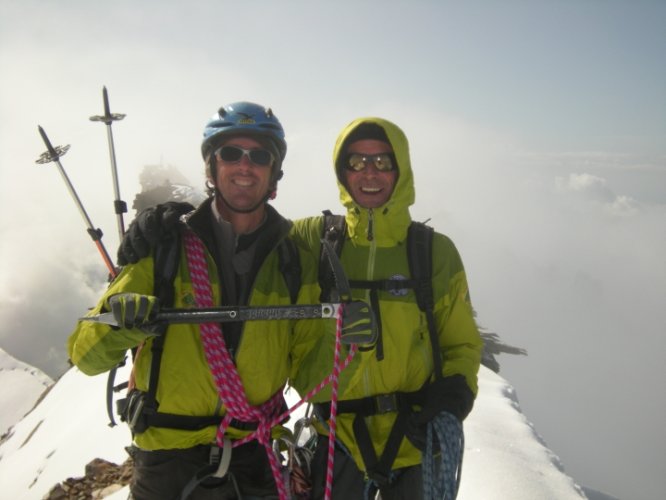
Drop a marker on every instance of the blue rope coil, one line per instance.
(442, 480)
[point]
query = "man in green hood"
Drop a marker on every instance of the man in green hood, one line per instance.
(384, 415)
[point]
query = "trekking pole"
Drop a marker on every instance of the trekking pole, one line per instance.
(108, 118)
(53, 155)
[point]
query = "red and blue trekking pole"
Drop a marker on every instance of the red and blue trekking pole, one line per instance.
(53, 155)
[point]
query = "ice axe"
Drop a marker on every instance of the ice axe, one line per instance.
(358, 319)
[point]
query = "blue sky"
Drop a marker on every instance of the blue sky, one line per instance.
(538, 137)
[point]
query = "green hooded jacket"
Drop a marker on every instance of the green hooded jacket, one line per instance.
(265, 354)
(375, 248)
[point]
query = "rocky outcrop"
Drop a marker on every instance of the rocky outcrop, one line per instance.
(101, 479)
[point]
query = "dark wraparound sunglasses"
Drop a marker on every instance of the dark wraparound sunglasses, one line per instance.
(384, 162)
(234, 154)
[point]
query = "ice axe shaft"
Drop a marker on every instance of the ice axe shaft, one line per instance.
(226, 314)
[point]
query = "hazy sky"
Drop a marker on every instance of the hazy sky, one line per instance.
(538, 137)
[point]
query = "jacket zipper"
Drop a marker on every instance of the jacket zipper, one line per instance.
(372, 252)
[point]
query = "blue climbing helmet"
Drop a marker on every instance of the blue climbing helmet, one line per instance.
(245, 118)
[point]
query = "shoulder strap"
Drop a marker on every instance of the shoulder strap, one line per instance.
(165, 267)
(333, 230)
(419, 254)
(290, 267)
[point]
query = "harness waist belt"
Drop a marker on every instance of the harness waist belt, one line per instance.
(374, 405)
(193, 423)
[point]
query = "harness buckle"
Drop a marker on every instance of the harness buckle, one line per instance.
(386, 403)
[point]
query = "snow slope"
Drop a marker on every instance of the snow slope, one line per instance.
(20, 387)
(504, 456)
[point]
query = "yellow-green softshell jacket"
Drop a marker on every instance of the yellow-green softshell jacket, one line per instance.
(266, 352)
(408, 360)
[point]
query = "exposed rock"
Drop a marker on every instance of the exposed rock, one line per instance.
(101, 479)
(493, 346)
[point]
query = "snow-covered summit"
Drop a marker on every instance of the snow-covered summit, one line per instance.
(504, 456)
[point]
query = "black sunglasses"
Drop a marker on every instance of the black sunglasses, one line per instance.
(384, 162)
(234, 154)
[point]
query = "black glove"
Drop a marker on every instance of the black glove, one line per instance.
(358, 324)
(150, 226)
(448, 394)
(418, 433)
(133, 309)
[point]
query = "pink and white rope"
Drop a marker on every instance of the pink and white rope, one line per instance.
(225, 375)
(332, 422)
(230, 386)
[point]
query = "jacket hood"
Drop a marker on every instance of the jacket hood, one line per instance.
(387, 224)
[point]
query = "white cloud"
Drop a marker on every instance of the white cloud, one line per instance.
(595, 189)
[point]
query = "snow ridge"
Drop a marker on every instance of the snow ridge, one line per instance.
(20, 387)
(504, 456)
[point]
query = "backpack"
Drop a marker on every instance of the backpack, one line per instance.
(140, 409)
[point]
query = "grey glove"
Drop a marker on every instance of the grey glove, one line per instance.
(133, 309)
(358, 324)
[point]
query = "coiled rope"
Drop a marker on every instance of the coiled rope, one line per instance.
(443, 484)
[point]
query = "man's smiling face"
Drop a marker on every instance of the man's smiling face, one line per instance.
(370, 187)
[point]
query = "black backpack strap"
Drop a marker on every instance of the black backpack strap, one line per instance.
(333, 231)
(419, 254)
(379, 468)
(165, 268)
(290, 267)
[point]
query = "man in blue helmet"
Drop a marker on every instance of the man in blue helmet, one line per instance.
(175, 417)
